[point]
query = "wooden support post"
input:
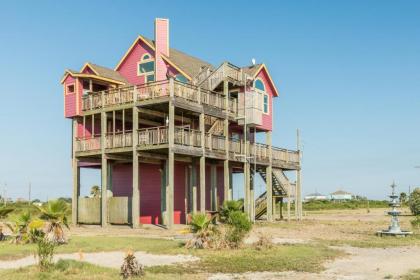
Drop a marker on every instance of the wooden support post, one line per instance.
(269, 176)
(194, 186)
(298, 195)
(135, 200)
(76, 176)
(213, 184)
(93, 125)
(202, 167)
(171, 157)
(104, 172)
(230, 197)
(226, 177)
(281, 208)
(289, 195)
(187, 193)
(298, 199)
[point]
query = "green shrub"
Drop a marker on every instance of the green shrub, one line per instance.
(204, 231)
(238, 225)
(415, 223)
(228, 207)
(414, 201)
(45, 252)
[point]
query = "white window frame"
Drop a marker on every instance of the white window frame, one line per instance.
(146, 74)
(261, 95)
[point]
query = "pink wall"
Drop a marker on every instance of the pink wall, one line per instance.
(267, 120)
(128, 67)
(150, 188)
(162, 47)
(70, 99)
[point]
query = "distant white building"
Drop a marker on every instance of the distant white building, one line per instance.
(315, 196)
(341, 195)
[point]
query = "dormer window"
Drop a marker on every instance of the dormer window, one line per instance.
(262, 96)
(146, 68)
(181, 78)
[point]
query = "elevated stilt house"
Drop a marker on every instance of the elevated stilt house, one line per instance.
(168, 130)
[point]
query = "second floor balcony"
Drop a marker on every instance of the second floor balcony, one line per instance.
(155, 91)
(190, 142)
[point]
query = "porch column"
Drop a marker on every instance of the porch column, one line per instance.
(194, 186)
(171, 157)
(213, 183)
(104, 172)
(76, 176)
(269, 176)
(135, 199)
(247, 176)
(202, 167)
(226, 177)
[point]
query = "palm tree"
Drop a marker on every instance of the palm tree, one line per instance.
(19, 228)
(55, 212)
(228, 207)
(95, 191)
(201, 226)
(4, 211)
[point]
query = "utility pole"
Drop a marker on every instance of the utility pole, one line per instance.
(29, 195)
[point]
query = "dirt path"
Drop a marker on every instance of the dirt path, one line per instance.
(361, 264)
(106, 259)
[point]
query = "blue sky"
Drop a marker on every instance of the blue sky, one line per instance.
(348, 73)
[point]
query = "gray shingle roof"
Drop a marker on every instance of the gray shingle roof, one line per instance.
(108, 73)
(251, 70)
(189, 64)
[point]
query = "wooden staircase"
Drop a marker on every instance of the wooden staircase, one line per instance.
(281, 187)
(210, 79)
(216, 125)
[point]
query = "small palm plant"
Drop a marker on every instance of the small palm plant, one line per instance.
(202, 228)
(19, 228)
(55, 212)
(4, 211)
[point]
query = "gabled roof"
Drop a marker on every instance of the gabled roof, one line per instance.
(254, 70)
(186, 64)
(105, 72)
(100, 73)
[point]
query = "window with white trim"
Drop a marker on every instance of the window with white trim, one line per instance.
(181, 78)
(263, 98)
(146, 68)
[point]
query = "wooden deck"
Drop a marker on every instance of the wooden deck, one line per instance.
(188, 142)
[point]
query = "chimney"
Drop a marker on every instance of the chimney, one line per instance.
(161, 46)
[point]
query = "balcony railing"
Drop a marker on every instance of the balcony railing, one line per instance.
(148, 137)
(84, 144)
(188, 137)
(153, 136)
(131, 94)
(119, 140)
(215, 142)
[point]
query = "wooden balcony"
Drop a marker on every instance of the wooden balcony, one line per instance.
(188, 141)
(153, 91)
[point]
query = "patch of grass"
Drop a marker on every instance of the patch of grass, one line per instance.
(306, 258)
(373, 241)
(412, 275)
(63, 269)
(96, 244)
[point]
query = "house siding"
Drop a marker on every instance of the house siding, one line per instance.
(267, 119)
(128, 67)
